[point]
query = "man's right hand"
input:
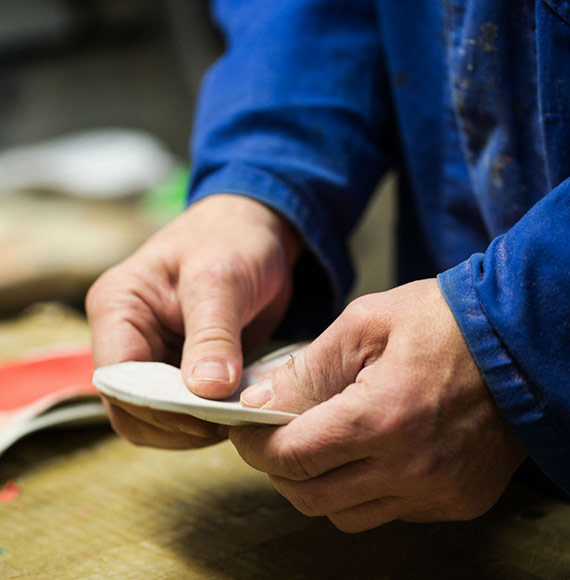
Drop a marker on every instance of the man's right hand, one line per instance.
(210, 285)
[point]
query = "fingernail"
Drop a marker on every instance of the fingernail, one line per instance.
(213, 371)
(258, 395)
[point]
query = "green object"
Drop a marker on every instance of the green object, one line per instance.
(168, 199)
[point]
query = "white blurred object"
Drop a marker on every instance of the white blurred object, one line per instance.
(99, 164)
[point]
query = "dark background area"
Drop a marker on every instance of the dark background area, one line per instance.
(76, 65)
(79, 64)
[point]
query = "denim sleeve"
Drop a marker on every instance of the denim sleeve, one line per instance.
(291, 116)
(513, 307)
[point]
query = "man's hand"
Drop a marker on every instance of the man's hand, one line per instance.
(399, 423)
(218, 275)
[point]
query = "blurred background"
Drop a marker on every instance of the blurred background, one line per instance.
(96, 106)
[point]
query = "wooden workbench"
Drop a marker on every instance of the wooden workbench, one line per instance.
(84, 504)
(91, 506)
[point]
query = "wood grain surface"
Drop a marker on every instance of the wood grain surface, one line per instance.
(91, 506)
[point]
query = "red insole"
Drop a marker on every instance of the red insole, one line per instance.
(24, 381)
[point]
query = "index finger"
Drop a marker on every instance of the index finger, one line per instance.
(122, 313)
(116, 339)
(321, 439)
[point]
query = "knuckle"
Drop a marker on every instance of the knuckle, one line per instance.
(462, 504)
(428, 465)
(214, 335)
(128, 427)
(245, 279)
(366, 320)
(132, 436)
(95, 294)
(358, 310)
(137, 441)
(215, 273)
(162, 421)
(107, 290)
(306, 504)
(415, 421)
(347, 524)
(294, 463)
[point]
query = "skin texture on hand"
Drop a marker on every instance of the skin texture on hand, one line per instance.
(209, 286)
(398, 422)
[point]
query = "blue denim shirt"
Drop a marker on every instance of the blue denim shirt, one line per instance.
(315, 99)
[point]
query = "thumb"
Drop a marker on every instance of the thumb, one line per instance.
(213, 317)
(321, 370)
